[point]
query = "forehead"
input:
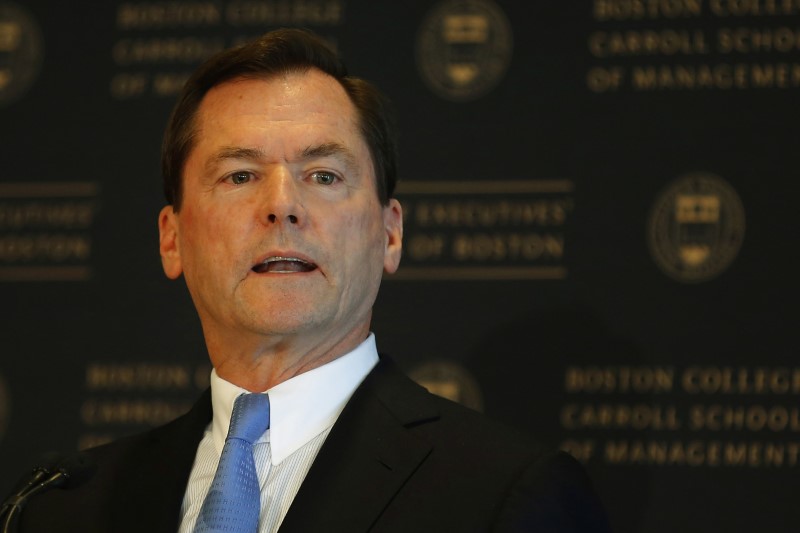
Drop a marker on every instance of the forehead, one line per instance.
(309, 102)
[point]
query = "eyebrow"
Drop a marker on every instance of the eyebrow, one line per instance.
(329, 149)
(234, 152)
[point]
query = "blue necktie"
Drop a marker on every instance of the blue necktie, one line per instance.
(234, 499)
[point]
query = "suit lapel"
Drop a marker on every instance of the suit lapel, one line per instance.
(151, 489)
(367, 457)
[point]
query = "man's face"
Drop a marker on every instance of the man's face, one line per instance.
(281, 232)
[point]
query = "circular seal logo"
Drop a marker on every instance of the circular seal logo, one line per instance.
(20, 51)
(696, 227)
(449, 380)
(464, 48)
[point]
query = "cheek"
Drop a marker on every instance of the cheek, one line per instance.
(203, 236)
(364, 236)
(191, 234)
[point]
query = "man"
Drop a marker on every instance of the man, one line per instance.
(279, 170)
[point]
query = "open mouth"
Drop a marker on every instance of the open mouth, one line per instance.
(283, 265)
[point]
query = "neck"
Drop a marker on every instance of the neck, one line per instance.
(260, 365)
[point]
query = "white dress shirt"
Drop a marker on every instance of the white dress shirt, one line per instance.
(302, 411)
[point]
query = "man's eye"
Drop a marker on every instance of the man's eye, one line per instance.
(239, 178)
(324, 178)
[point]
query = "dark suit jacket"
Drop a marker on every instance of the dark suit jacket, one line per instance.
(397, 460)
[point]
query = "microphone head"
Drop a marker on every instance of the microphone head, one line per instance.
(55, 470)
(45, 466)
(44, 474)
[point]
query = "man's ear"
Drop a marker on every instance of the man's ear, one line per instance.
(168, 242)
(393, 222)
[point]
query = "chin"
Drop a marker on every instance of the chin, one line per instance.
(282, 321)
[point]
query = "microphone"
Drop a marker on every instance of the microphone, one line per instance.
(47, 463)
(55, 470)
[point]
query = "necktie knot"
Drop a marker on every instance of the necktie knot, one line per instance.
(250, 417)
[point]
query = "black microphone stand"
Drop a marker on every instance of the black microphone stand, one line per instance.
(41, 481)
(56, 471)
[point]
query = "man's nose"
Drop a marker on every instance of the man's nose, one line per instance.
(281, 201)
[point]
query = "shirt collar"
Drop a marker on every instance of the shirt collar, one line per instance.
(301, 407)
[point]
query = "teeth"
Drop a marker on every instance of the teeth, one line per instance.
(283, 265)
(279, 258)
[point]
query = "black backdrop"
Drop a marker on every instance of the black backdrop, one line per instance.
(600, 229)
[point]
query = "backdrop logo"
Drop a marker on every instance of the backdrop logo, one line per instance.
(696, 227)
(463, 48)
(20, 51)
(449, 380)
(3, 408)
